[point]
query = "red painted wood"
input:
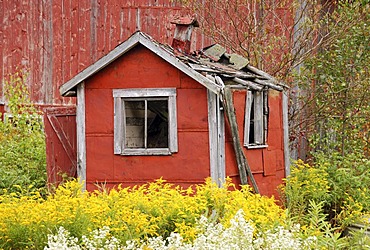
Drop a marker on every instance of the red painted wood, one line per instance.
(135, 70)
(60, 128)
(53, 40)
(191, 163)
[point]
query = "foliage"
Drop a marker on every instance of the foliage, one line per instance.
(22, 143)
(276, 35)
(341, 185)
(337, 86)
(240, 235)
(152, 210)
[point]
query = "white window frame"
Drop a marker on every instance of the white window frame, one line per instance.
(260, 118)
(119, 96)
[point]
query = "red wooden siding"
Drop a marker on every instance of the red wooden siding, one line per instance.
(54, 40)
(267, 164)
(140, 68)
(61, 143)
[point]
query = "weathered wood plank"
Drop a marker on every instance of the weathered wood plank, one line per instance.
(243, 166)
(249, 84)
(286, 133)
(81, 135)
(247, 118)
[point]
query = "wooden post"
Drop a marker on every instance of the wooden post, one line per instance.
(243, 166)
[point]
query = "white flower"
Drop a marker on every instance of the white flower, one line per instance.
(62, 241)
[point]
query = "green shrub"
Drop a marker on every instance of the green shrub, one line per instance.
(340, 184)
(22, 142)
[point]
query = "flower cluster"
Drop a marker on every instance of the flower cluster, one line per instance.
(141, 212)
(240, 235)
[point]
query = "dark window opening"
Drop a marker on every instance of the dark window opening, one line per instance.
(146, 123)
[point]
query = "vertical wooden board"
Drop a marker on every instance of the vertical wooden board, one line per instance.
(101, 28)
(153, 21)
(35, 50)
(56, 35)
(84, 35)
(66, 42)
(239, 103)
(24, 16)
(9, 37)
(114, 25)
(75, 42)
(128, 22)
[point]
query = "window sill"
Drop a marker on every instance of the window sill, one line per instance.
(152, 151)
(256, 146)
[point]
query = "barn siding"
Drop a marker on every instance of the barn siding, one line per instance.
(54, 40)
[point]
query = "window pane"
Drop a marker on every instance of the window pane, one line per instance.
(251, 123)
(135, 124)
(157, 133)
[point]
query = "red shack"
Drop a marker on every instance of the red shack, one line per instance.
(147, 110)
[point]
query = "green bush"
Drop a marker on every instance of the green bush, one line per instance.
(22, 141)
(340, 184)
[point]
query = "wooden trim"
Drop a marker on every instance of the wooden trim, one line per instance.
(286, 134)
(258, 118)
(220, 142)
(172, 119)
(100, 64)
(144, 92)
(138, 38)
(147, 151)
(212, 125)
(216, 124)
(81, 136)
(120, 95)
(180, 65)
(118, 127)
(243, 166)
(247, 118)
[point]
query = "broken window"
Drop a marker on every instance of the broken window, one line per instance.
(145, 121)
(256, 114)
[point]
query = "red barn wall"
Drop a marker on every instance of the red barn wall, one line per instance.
(54, 40)
(140, 68)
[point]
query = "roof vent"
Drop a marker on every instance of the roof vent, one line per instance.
(182, 37)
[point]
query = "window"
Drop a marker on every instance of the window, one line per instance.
(256, 114)
(145, 121)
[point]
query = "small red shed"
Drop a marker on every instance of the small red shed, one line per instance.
(147, 110)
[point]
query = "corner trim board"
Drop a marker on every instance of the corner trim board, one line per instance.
(81, 136)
